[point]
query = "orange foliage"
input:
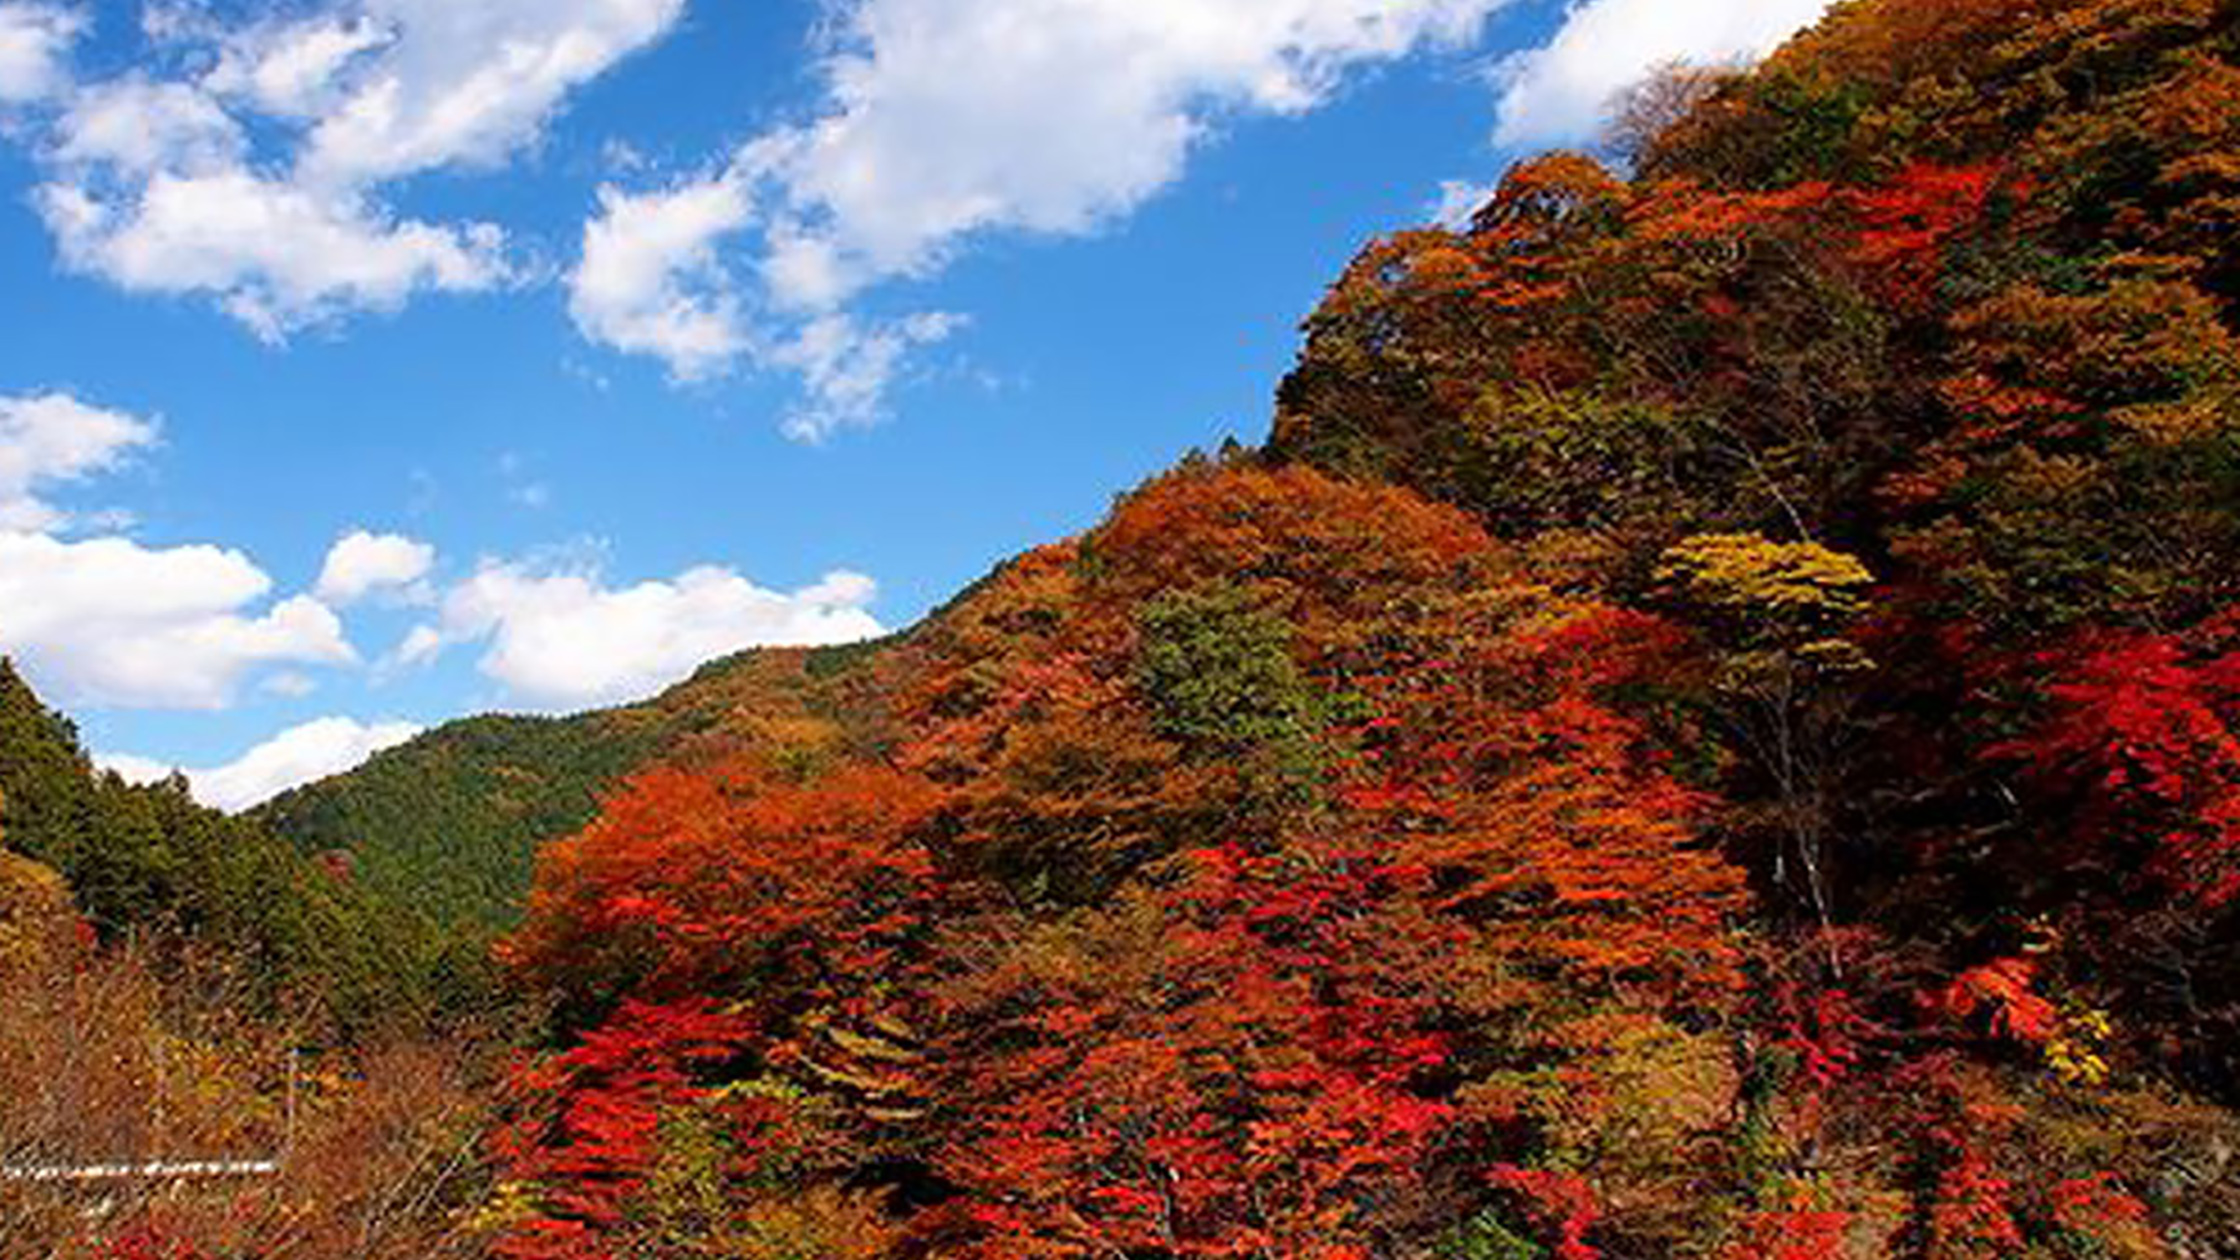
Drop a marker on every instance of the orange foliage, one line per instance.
(692, 882)
(1431, 909)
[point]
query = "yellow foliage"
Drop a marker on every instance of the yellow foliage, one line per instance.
(1749, 573)
(34, 915)
(2073, 1053)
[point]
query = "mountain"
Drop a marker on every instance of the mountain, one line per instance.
(450, 821)
(183, 994)
(1710, 729)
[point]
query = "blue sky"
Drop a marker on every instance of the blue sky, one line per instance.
(371, 362)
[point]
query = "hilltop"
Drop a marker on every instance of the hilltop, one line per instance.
(451, 819)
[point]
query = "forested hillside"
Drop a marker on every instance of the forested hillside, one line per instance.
(451, 820)
(147, 864)
(1711, 729)
(1780, 802)
(179, 985)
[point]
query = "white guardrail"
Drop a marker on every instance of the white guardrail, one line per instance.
(161, 1170)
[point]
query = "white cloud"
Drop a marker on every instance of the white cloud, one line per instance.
(294, 69)
(109, 622)
(361, 564)
(471, 83)
(299, 755)
(846, 366)
(139, 127)
(34, 38)
(1079, 110)
(274, 256)
(50, 439)
(561, 638)
(256, 180)
(1560, 94)
(943, 120)
(421, 646)
(132, 769)
(649, 281)
(154, 187)
(290, 684)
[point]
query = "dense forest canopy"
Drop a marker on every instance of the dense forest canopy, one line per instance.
(1710, 729)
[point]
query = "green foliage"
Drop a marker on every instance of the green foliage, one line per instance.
(1219, 675)
(1545, 461)
(452, 819)
(839, 659)
(1712, 730)
(148, 863)
(1800, 126)
(1487, 1236)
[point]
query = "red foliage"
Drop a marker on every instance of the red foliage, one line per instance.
(589, 1119)
(1904, 227)
(1491, 889)
(2139, 741)
(1971, 1215)
(145, 1242)
(1330, 555)
(1824, 1029)
(2092, 1205)
(1798, 1233)
(1564, 1200)
(1235, 1058)
(2002, 990)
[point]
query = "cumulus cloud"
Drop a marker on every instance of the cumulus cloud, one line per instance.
(53, 439)
(362, 564)
(1087, 109)
(256, 179)
(292, 69)
(649, 281)
(107, 621)
(455, 82)
(272, 255)
(562, 638)
(1560, 93)
(299, 755)
(34, 38)
(942, 120)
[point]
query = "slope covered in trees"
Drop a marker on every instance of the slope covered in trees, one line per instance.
(1712, 729)
(149, 865)
(1779, 804)
(451, 820)
(1905, 372)
(179, 985)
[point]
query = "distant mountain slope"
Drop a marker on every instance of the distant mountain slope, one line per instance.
(451, 820)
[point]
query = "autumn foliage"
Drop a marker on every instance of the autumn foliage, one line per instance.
(1711, 729)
